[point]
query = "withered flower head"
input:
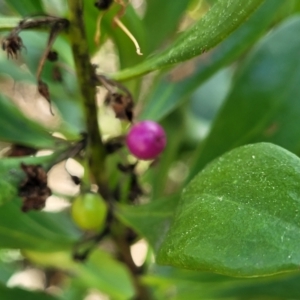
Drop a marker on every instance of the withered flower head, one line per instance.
(34, 190)
(121, 104)
(52, 56)
(12, 45)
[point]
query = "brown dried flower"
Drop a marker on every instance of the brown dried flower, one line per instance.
(34, 190)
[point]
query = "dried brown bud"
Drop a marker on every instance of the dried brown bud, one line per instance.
(12, 45)
(20, 150)
(103, 4)
(34, 190)
(121, 104)
(52, 56)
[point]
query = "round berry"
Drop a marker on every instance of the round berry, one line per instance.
(146, 140)
(89, 211)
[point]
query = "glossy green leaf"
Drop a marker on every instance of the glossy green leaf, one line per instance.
(192, 285)
(39, 231)
(100, 272)
(26, 8)
(240, 215)
(18, 293)
(167, 94)
(223, 18)
(16, 128)
(151, 220)
(263, 103)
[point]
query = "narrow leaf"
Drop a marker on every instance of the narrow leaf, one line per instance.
(100, 271)
(162, 12)
(223, 18)
(167, 95)
(263, 103)
(8, 23)
(26, 8)
(17, 128)
(39, 231)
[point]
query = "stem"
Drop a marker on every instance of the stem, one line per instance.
(96, 152)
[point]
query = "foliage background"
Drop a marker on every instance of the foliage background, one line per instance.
(243, 91)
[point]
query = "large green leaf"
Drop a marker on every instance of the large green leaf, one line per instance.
(167, 94)
(100, 271)
(18, 293)
(151, 220)
(240, 215)
(193, 285)
(17, 128)
(223, 18)
(263, 103)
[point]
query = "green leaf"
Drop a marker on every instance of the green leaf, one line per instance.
(263, 103)
(223, 18)
(16, 128)
(162, 12)
(191, 284)
(168, 94)
(8, 23)
(8, 266)
(151, 220)
(18, 293)
(26, 8)
(126, 51)
(240, 215)
(108, 275)
(10, 68)
(101, 271)
(39, 231)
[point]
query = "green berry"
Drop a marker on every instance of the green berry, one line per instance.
(89, 211)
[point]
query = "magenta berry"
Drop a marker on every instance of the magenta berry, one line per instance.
(146, 140)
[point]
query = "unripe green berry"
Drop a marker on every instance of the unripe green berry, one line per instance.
(89, 211)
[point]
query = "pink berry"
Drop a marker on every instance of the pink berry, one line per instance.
(146, 140)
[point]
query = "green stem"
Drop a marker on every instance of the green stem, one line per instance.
(85, 73)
